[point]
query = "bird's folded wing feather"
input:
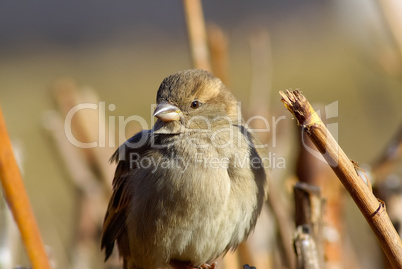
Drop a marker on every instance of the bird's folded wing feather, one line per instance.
(115, 219)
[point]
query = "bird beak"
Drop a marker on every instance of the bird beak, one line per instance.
(167, 112)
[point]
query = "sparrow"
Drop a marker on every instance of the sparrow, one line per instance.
(190, 189)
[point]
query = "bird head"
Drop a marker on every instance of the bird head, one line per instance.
(195, 99)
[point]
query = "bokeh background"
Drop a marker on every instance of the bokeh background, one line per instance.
(333, 50)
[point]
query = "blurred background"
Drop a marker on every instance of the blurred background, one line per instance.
(56, 54)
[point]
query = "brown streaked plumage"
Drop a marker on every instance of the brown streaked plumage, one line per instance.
(189, 189)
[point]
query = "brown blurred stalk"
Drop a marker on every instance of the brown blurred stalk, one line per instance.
(315, 172)
(372, 209)
(91, 198)
(261, 62)
(218, 49)
(18, 202)
(87, 125)
(261, 76)
(197, 34)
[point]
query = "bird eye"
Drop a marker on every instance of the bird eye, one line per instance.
(195, 104)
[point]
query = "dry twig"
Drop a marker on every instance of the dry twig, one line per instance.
(372, 209)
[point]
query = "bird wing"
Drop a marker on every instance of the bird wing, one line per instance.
(262, 152)
(256, 149)
(114, 225)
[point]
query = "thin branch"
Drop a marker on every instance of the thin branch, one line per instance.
(18, 201)
(372, 209)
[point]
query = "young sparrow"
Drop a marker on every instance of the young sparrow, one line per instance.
(191, 188)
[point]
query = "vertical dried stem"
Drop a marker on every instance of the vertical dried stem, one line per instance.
(261, 64)
(92, 201)
(315, 172)
(88, 127)
(309, 211)
(218, 48)
(18, 202)
(372, 209)
(197, 34)
(306, 249)
(261, 61)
